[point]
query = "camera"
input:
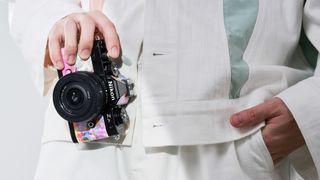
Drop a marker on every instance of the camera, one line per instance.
(92, 96)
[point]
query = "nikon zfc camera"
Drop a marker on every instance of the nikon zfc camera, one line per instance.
(92, 96)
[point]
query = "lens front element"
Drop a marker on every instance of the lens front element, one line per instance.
(75, 96)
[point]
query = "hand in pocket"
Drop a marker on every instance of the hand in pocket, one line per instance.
(281, 133)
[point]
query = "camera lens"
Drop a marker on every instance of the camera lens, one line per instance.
(79, 96)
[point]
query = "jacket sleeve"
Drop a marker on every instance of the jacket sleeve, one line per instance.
(303, 98)
(30, 23)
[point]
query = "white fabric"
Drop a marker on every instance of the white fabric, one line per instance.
(184, 91)
(244, 159)
(30, 26)
(302, 162)
(181, 107)
(303, 98)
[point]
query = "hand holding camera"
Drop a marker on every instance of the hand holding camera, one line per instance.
(92, 97)
(75, 33)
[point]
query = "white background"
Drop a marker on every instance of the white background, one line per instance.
(21, 110)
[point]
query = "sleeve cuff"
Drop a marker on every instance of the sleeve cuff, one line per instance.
(302, 162)
(303, 100)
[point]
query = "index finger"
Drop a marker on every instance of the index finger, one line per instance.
(255, 115)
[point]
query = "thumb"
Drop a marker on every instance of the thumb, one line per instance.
(255, 115)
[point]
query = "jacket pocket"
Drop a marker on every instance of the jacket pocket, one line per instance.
(264, 152)
(254, 157)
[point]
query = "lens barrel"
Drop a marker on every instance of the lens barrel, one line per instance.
(79, 96)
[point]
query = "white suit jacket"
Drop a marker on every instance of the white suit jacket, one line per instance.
(201, 62)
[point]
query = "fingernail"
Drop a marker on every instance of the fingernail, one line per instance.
(59, 65)
(85, 53)
(114, 52)
(71, 59)
(235, 120)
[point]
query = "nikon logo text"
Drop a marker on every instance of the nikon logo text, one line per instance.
(110, 84)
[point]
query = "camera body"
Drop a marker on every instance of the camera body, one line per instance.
(92, 96)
